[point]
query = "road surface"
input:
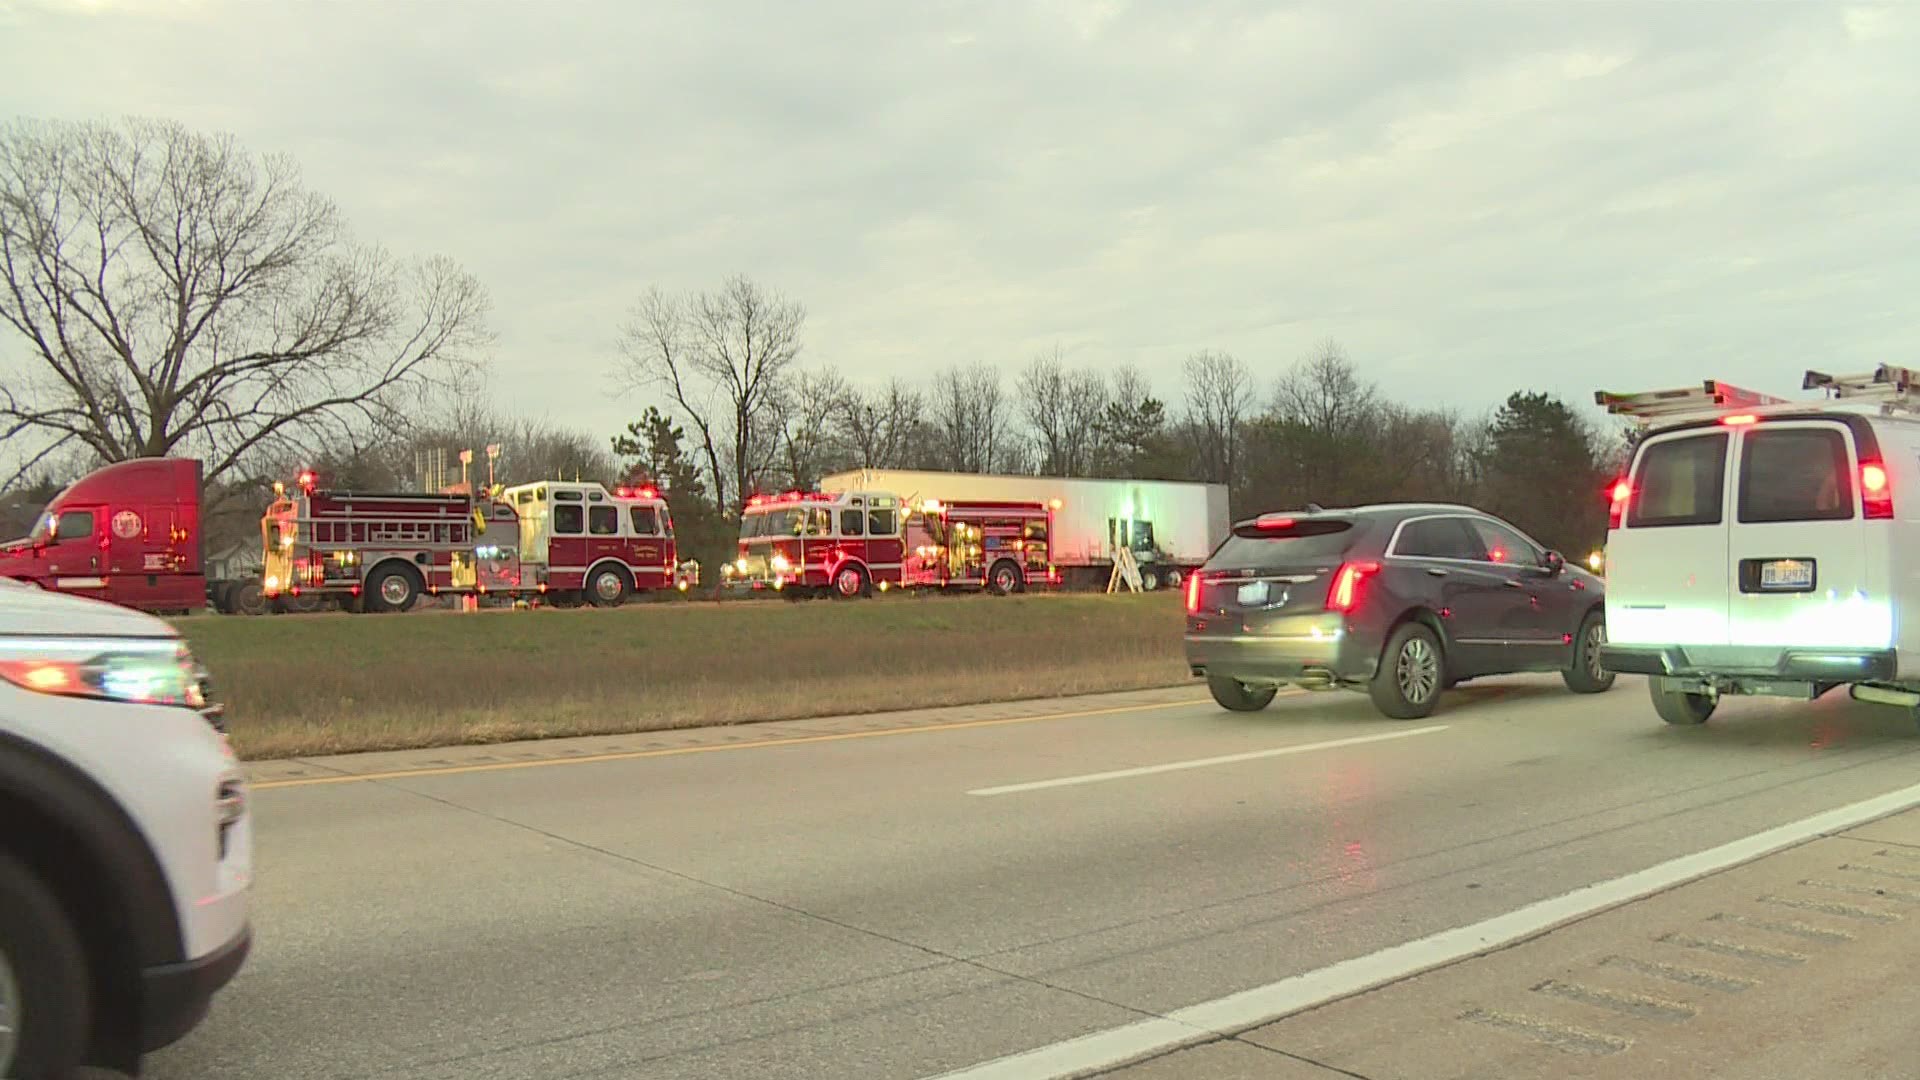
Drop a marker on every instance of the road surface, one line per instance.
(1138, 875)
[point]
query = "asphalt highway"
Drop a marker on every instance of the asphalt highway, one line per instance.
(934, 893)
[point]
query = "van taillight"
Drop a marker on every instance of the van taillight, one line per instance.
(1876, 492)
(1345, 591)
(1193, 592)
(1617, 504)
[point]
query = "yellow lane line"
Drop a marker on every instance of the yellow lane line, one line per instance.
(628, 755)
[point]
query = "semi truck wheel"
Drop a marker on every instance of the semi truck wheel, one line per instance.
(43, 981)
(608, 587)
(246, 598)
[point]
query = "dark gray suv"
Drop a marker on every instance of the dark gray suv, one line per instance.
(1400, 600)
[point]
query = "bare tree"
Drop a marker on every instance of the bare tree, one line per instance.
(1331, 422)
(721, 358)
(969, 417)
(1218, 389)
(1064, 408)
(176, 294)
(1325, 394)
(657, 350)
(879, 428)
(810, 444)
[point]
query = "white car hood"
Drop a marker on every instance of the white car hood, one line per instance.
(25, 609)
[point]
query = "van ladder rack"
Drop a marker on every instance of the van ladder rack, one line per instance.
(1711, 395)
(1893, 387)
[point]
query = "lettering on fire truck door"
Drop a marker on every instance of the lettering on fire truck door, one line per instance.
(645, 547)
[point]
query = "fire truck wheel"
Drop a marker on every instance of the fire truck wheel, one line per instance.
(391, 588)
(1006, 578)
(608, 587)
(850, 583)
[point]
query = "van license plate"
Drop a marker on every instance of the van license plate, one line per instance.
(1253, 594)
(1786, 574)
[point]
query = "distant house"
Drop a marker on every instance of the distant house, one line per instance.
(233, 562)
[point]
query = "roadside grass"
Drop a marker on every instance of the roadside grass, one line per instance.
(336, 683)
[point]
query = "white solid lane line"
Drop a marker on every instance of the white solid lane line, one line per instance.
(1201, 763)
(1265, 1004)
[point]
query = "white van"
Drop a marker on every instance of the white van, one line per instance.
(1761, 546)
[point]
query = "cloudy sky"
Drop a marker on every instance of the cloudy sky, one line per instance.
(1471, 197)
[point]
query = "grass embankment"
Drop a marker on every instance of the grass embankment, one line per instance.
(323, 684)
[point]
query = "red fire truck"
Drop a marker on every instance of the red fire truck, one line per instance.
(378, 551)
(580, 540)
(849, 543)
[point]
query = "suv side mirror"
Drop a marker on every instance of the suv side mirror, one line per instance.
(1552, 563)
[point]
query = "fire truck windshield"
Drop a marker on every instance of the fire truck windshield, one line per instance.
(786, 521)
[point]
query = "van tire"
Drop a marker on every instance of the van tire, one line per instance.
(1236, 696)
(1679, 708)
(1402, 698)
(46, 972)
(1586, 676)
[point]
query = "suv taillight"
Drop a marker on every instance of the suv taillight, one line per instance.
(1344, 593)
(1617, 504)
(1193, 592)
(1876, 491)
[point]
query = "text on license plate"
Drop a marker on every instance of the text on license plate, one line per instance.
(1253, 594)
(1786, 574)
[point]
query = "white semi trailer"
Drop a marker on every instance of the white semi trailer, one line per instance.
(1170, 525)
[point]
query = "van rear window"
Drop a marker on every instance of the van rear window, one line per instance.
(1795, 474)
(1680, 482)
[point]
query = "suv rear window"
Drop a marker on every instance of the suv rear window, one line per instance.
(1252, 547)
(1680, 482)
(1795, 474)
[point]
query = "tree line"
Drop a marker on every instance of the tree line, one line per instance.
(169, 293)
(741, 413)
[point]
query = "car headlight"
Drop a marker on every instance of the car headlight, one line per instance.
(779, 563)
(147, 671)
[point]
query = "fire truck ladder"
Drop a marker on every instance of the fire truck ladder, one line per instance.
(1892, 387)
(1709, 397)
(1125, 569)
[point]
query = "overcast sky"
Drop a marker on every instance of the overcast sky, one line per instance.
(1472, 197)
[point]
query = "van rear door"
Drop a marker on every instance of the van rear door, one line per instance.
(1797, 568)
(1667, 563)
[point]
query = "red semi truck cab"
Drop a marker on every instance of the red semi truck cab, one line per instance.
(128, 533)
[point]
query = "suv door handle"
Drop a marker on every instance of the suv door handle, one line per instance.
(1436, 571)
(1513, 584)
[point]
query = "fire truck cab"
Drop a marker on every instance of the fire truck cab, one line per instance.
(579, 540)
(849, 543)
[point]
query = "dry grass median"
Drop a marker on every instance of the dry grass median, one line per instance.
(321, 684)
